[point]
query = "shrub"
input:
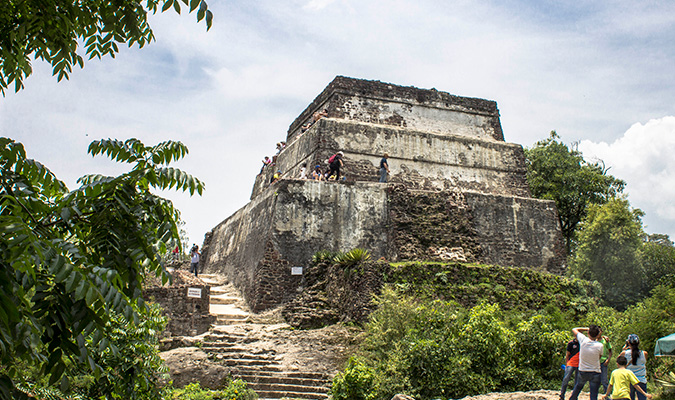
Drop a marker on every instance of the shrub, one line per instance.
(238, 390)
(323, 256)
(437, 349)
(234, 390)
(356, 382)
(352, 257)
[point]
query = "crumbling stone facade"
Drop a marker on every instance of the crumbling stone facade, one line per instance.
(187, 316)
(457, 191)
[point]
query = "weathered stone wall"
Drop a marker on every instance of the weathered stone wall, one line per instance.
(418, 159)
(518, 231)
(336, 293)
(387, 104)
(187, 316)
(237, 245)
(284, 226)
(476, 227)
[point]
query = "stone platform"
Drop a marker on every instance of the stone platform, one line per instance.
(284, 226)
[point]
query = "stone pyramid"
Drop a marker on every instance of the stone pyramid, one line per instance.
(457, 192)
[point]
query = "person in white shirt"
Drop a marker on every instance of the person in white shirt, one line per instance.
(590, 351)
(194, 259)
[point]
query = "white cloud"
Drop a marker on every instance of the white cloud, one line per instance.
(318, 4)
(643, 157)
(230, 93)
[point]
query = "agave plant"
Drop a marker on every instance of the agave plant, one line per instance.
(323, 256)
(667, 382)
(352, 257)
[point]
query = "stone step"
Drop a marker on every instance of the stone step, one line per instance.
(215, 290)
(223, 347)
(239, 356)
(223, 298)
(252, 378)
(209, 281)
(291, 395)
(282, 387)
(232, 317)
(219, 338)
(276, 372)
(225, 320)
(248, 363)
(227, 309)
(256, 369)
(227, 329)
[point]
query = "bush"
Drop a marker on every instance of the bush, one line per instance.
(238, 390)
(356, 382)
(323, 256)
(437, 349)
(351, 257)
(235, 390)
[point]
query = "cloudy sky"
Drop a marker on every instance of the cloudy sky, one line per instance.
(600, 73)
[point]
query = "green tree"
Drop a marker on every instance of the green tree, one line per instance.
(608, 251)
(658, 261)
(71, 260)
(556, 172)
(52, 30)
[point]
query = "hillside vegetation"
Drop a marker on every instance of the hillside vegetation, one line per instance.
(448, 330)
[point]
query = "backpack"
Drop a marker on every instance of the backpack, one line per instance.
(332, 158)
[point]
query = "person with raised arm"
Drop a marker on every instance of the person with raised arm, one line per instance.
(590, 351)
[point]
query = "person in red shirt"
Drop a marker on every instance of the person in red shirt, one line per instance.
(571, 366)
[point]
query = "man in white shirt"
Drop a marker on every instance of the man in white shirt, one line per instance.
(590, 351)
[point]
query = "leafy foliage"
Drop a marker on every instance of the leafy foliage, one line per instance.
(650, 319)
(234, 390)
(131, 365)
(323, 256)
(556, 172)
(658, 262)
(667, 383)
(74, 260)
(436, 349)
(352, 257)
(512, 288)
(52, 30)
(357, 382)
(609, 251)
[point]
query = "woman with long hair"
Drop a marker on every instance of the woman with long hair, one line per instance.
(636, 362)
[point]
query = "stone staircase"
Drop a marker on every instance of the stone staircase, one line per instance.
(236, 342)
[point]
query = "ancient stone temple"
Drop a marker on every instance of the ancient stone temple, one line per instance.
(457, 191)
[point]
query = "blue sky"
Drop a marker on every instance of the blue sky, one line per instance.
(599, 73)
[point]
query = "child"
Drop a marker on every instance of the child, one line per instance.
(621, 382)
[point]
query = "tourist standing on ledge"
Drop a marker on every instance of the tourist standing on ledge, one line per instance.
(335, 166)
(384, 168)
(194, 259)
(303, 171)
(590, 351)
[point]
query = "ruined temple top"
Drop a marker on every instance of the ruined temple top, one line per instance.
(384, 103)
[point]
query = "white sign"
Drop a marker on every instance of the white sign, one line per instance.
(296, 270)
(195, 293)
